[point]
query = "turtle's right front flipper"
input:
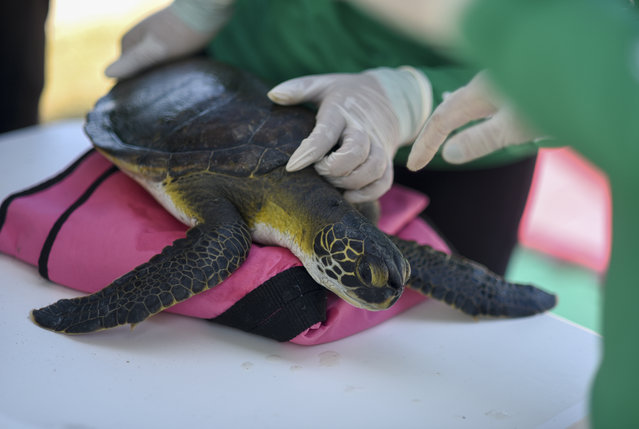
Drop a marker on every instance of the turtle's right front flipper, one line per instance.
(469, 286)
(191, 265)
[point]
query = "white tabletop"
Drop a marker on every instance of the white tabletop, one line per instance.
(431, 367)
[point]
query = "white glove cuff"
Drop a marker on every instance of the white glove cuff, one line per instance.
(204, 16)
(411, 96)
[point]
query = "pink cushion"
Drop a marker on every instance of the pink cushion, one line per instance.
(119, 226)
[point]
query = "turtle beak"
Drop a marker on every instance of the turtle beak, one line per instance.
(386, 284)
(401, 274)
(371, 299)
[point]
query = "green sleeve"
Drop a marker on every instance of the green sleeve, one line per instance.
(573, 68)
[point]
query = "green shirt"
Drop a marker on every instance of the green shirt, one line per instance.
(282, 39)
(573, 67)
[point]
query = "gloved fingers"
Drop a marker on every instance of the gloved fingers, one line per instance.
(328, 128)
(373, 190)
(462, 106)
(495, 133)
(160, 37)
(133, 36)
(352, 152)
(301, 89)
(147, 52)
(137, 49)
(370, 171)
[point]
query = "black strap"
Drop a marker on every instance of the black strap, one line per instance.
(280, 308)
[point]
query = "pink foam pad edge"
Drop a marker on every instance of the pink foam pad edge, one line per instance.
(569, 214)
(30, 218)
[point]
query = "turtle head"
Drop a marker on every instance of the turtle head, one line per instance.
(360, 264)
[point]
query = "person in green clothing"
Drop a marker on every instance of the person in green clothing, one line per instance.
(578, 82)
(374, 87)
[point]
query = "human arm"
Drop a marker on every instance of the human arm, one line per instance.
(585, 91)
(572, 69)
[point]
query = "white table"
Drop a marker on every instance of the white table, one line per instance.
(431, 367)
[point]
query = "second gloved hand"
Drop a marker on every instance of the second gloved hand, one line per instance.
(500, 126)
(362, 119)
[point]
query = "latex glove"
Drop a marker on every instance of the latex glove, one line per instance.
(181, 29)
(474, 101)
(366, 116)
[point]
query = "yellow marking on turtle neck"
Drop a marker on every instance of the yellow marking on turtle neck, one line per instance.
(295, 227)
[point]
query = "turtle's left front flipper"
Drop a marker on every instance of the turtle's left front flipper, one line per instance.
(469, 286)
(206, 256)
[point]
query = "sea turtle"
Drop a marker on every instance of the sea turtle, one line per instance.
(205, 141)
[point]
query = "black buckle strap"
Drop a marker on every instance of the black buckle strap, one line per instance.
(280, 308)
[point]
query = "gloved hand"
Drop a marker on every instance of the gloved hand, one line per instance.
(182, 28)
(474, 101)
(368, 115)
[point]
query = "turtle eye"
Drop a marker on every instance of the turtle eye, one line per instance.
(371, 273)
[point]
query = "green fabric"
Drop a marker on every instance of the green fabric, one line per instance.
(282, 39)
(578, 79)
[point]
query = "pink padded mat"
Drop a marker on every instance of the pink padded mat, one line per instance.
(92, 224)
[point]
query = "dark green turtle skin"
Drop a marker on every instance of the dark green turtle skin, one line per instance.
(205, 141)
